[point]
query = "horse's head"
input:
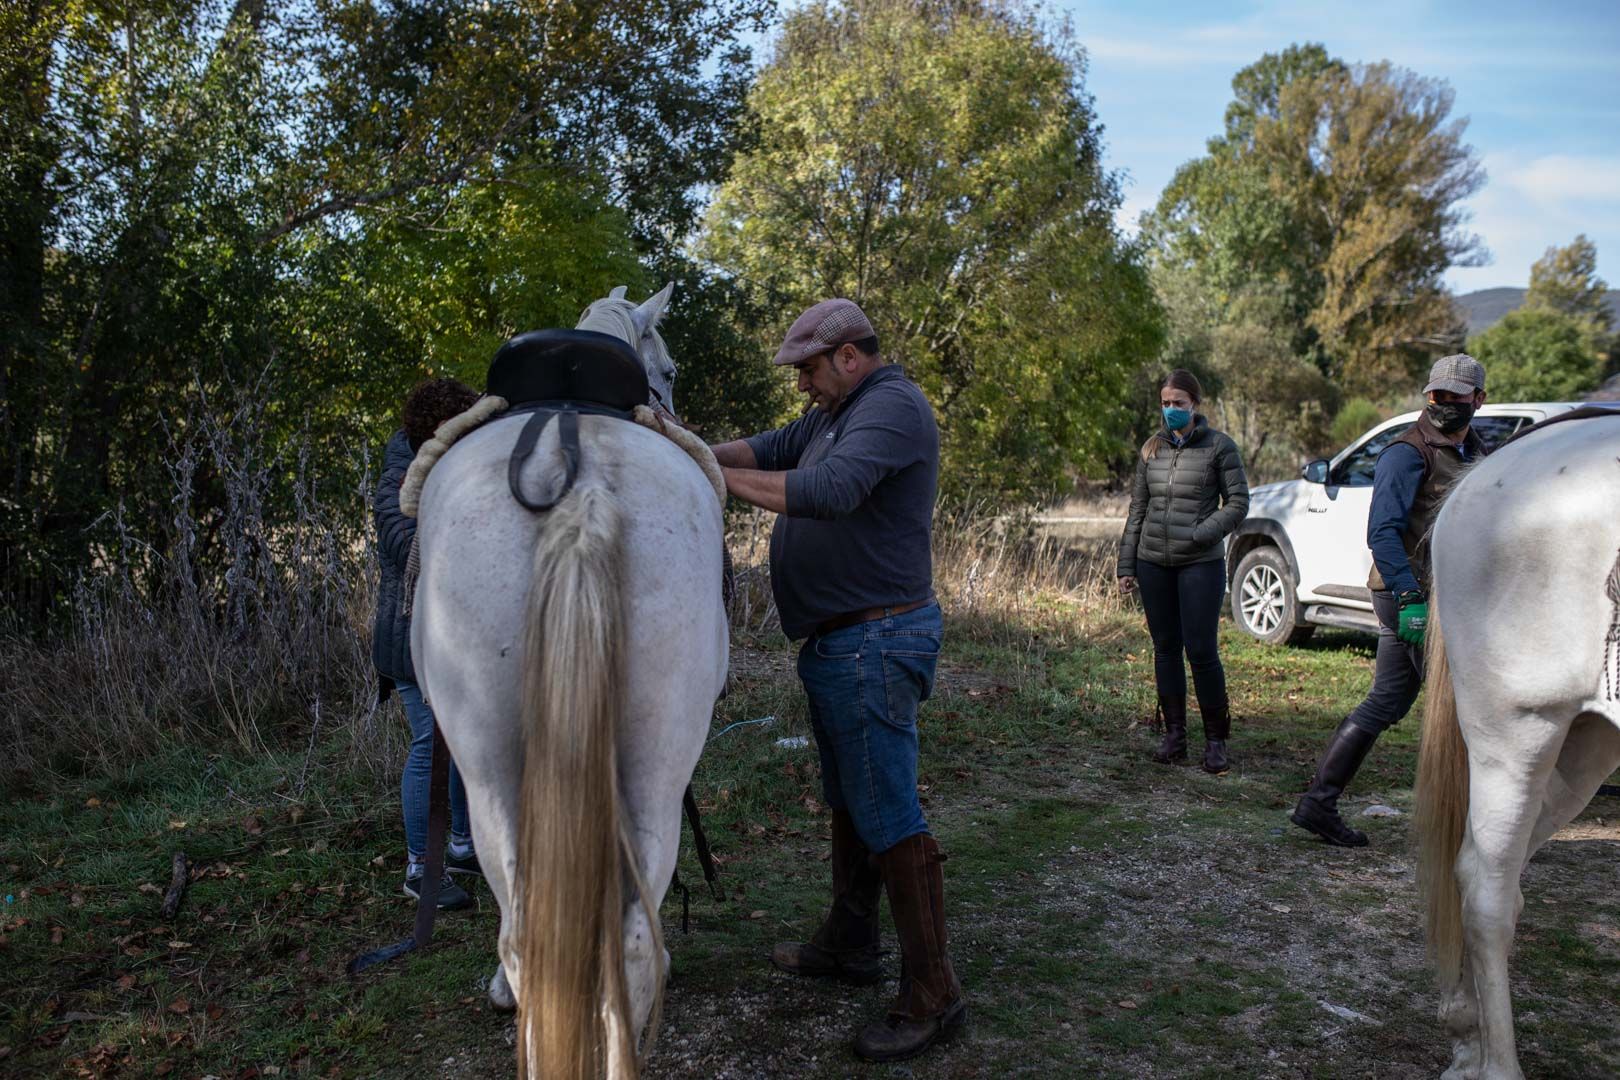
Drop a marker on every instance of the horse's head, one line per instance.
(638, 324)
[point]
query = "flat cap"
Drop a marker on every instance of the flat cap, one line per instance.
(1458, 373)
(825, 326)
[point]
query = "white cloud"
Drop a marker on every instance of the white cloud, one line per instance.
(1533, 203)
(1560, 178)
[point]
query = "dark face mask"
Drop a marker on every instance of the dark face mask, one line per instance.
(1450, 416)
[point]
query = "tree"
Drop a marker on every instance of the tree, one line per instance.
(1335, 190)
(1539, 354)
(1565, 280)
(940, 164)
(311, 204)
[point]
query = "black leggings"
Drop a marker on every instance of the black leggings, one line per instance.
(1183, 605)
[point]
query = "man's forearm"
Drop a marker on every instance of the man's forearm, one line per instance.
(735, 455)
(767, 490)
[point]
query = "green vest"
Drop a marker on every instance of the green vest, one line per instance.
(1442, 466)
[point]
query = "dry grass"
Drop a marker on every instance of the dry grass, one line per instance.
(243, 624)
(244, 621)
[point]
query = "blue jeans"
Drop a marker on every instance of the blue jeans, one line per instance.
(864, 684)
(413, 785)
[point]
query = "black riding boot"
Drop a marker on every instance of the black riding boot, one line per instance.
(1217, 728)
(1318, 808)
(1173, 747)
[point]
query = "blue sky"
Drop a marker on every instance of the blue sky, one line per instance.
(1539, 84)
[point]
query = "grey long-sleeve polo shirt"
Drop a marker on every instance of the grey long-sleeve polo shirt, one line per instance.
(860, 503)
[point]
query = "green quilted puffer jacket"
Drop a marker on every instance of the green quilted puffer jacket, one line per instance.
(1185, 501)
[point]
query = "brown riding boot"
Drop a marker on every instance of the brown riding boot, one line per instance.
(846, 946)
(1173, 747)
(929, 1005)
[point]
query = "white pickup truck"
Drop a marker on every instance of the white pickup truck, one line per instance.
(1300, 558)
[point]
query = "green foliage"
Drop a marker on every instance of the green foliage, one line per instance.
(940, 165)
(1335, 188)
(1537, 354)
(1565, 279)
(206, 202)
(1354, 417)
(1313, 237)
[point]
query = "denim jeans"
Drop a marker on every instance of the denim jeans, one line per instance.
(1183, 606)
(1397, 672)
(864, 684)
(413, 786)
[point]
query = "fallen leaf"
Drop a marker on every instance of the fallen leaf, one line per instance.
(92, 802)
(252, 826)
(179, 944)
(279, 854)
(215, 1012)
(126, 982)
(148, 887)
(756, 914)
(163, 1068)
(1281, 908)
(1126, 1004)
(180, 1006)
(177, 824)
(379, 860)
(56, 935)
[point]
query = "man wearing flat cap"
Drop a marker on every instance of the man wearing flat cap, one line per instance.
(1410, 483)
(853, 483)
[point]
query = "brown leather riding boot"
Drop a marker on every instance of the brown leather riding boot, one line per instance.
(1173, 747)
(929, 1005)
(847, 944)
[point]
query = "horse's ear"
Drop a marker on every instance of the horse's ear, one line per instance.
(617, 293)
(651, 309)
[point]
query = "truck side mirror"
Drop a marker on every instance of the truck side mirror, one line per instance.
(1315, 472)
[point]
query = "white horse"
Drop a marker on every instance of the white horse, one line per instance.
(573, 659)
(1522, 723)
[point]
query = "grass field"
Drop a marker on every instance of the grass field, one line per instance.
(1109, 917)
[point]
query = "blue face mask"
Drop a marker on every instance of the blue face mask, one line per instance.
(1176, 419)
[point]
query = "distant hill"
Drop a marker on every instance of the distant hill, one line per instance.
(1485, 306)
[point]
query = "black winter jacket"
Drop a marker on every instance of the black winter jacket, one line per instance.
(1185, 501)
(391, 635)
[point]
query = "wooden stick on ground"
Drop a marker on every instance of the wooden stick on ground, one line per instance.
(177, 887)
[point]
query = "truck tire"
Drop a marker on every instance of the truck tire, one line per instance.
(1264, 604)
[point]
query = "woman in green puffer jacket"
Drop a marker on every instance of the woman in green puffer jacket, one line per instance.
(1190, 494)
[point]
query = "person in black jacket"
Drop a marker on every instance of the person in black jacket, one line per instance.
(428, 405)
(1190, 493)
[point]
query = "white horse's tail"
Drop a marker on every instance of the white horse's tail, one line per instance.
(573, 852)
(1442, 809)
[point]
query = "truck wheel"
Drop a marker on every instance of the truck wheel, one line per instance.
(1263, 602)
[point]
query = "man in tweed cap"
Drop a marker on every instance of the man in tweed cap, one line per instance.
(1410, 483)
(853, 483)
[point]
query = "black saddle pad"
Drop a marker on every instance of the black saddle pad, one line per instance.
(568, 365)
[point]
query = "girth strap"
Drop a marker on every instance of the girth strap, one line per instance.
(567, 440)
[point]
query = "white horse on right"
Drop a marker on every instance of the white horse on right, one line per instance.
(1522, 724)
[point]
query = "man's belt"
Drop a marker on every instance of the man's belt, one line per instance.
(855, 618)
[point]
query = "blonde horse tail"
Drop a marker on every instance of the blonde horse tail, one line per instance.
(573, 853)
(1442, 809)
